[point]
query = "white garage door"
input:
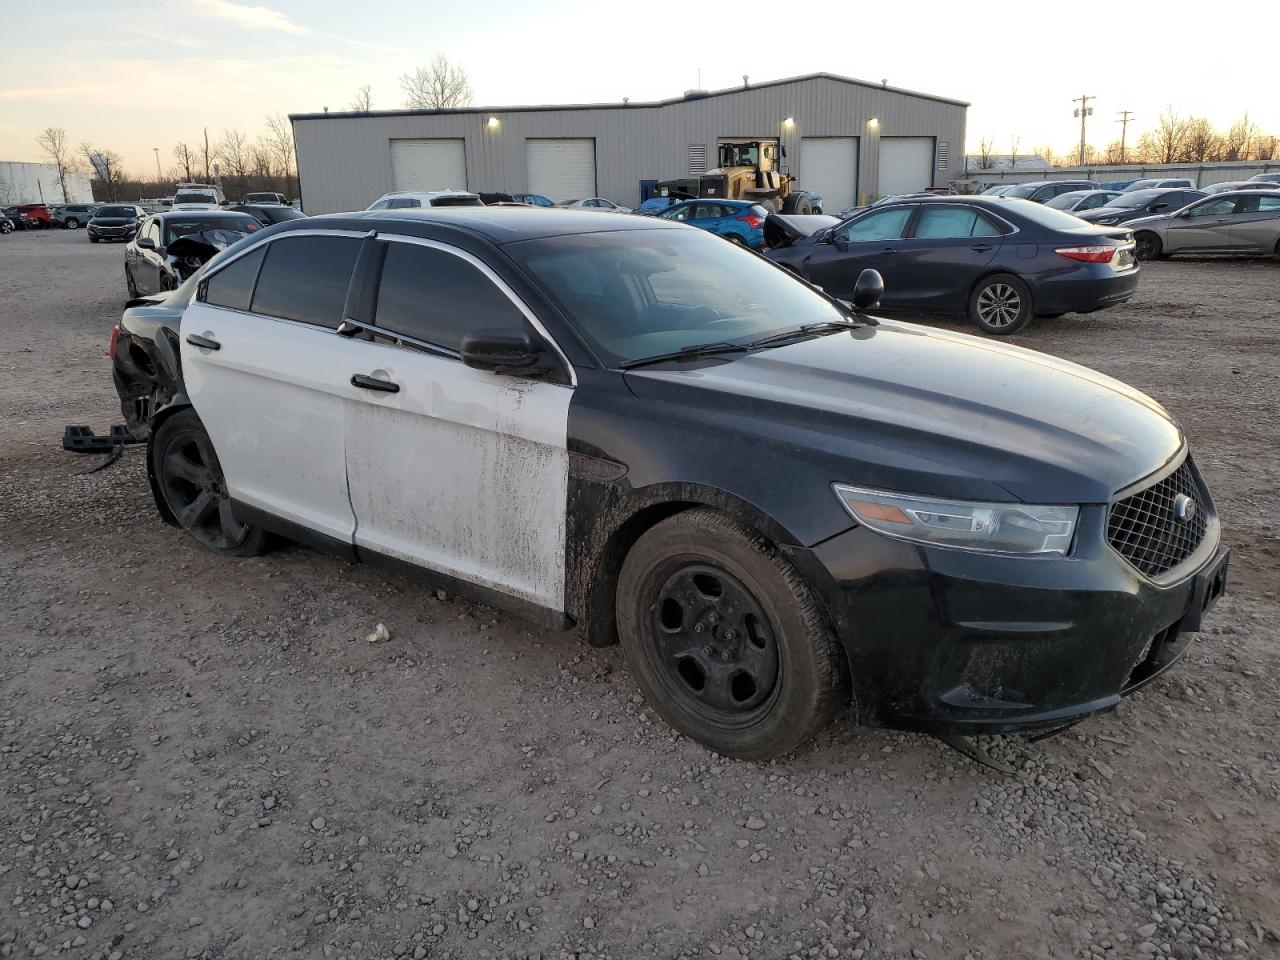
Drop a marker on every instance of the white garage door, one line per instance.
(829, 168)
(428, 165)
(562, 169)
(906, 164)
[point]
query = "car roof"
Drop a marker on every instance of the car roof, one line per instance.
(428, 193)
(720, 200)
(497, 224)
(211, 212)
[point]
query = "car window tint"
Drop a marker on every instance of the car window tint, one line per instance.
(1215, 208)
(938, 223)
(882, 225)
(679, 214)
(379, 204)
(306, 279)
(437, 297)
(232, 286)
(403, 203)
(1268, 204)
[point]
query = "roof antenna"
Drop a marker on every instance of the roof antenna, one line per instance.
(745, 84)
(326, 109)
(884, 83)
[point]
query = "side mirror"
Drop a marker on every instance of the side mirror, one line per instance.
(145, 243)
(502, 351)
(868, 290)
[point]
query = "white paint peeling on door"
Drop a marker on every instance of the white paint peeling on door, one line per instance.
(462, 471)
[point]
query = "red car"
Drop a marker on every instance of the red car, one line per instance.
(29, 216)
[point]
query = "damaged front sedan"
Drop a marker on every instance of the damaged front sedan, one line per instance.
(780, 506)
(169, 247)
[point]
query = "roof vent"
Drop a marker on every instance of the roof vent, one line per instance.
(694, 94)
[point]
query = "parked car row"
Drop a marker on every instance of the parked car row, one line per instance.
(620, 396)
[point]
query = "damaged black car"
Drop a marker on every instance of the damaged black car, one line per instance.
(169, 247)
(781, 506)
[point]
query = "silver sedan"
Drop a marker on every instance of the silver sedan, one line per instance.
(1244, 222)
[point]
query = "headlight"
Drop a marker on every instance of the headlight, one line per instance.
(963, 524)
(1107, 220)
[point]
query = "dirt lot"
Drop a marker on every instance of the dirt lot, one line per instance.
(202, 757)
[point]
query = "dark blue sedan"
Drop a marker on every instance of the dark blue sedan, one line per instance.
(741, 221)
(999, 260)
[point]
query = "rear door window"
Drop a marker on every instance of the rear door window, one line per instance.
(306, 279)
(232, 286)
(437, 297)
(951, 221)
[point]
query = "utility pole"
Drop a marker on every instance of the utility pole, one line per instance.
(1083, 111)
(159, 175)
(1125, 117)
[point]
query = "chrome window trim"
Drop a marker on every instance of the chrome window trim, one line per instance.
(398, 339)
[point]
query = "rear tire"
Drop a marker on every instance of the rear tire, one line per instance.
(93, 239)
(6, 226)
(1000, 305)
(736, 238)
(190, 482)
(725, 638)
(70, 223)
(1147, 246)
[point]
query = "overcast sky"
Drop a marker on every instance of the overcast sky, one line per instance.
(130, 76)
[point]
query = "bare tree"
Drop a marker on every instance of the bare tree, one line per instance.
(233, 151)
(1266, 147)
(1202, 143)
(1113, 155)
(262, 161)
(280, 135)
(363, 102)
(436, 87)
(54, 143)
(1013, 151)
(1167, 143)
(106, 167)
(985, 146)
(1238, 140)
(206, 155)
(1046, 153)
(186, 158)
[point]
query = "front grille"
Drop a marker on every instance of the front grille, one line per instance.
(1144, 528)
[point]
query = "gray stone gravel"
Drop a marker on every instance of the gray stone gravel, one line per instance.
(203, 758)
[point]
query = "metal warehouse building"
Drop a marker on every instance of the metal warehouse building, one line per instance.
(844, 140)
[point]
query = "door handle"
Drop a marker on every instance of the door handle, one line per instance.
(204, 343)
(981, 247)
(889, 250)
(365, 382)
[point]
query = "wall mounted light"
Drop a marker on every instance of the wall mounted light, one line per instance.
(493, 123)
(874, 123)
(789, 122)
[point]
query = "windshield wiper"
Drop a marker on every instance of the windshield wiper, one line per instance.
(689, 353)
(806, 330)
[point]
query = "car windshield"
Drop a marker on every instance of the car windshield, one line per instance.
(1023, 190)
(637, 294)
(194, 198)
(117, 212)
(221, 227)
(1138, 198)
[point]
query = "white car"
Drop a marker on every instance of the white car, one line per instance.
(594, 205)
(198, 193)
(410, 199)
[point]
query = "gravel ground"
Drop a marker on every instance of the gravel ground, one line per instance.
(203, 757)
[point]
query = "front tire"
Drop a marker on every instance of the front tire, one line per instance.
(1147, 246)
(70, 223)
(736, 238)
(92, 238)
(725, 638)
(1000, 305)
(190, 482)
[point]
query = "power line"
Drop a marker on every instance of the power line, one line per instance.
(1125, 117)
(1083, 111)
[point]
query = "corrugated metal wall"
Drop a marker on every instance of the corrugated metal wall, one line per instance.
(344, 161)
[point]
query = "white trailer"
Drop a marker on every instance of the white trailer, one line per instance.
(38, 183)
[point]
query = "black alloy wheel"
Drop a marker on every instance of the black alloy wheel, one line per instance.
(1147, 246)
(191, 484)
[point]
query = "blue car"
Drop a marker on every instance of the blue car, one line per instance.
(741, 221)
(534, 199)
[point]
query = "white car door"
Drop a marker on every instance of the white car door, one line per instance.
(459, 470)
(269, 377)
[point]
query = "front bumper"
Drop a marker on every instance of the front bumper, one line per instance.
(1093, 288)
(112, 233)
(952, 641)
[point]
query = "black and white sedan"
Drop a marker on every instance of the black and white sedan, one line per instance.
(778, 504)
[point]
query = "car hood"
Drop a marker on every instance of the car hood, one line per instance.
(113, 221)
(785, 230)
(926, 411)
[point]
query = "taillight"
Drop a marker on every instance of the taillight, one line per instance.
(751, 220)
(1093, 254)
(111, 346)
